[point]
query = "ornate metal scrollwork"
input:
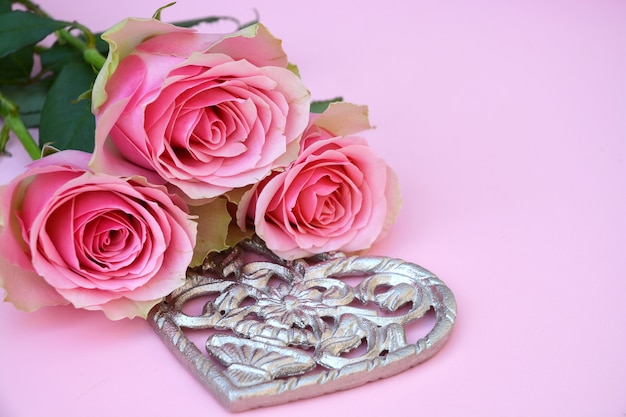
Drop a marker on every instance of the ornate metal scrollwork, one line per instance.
(284, 330)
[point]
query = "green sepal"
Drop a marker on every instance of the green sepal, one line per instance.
(66, 122)
(255, 21)
(208, 19)
(236, 235)
(19, 29)
(294, 68)
(4, 138)
(47, 150)
(213, 224)
(157, 14)
(321, 105)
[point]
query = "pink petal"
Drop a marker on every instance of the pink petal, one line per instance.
(25, 289)
(254, 44)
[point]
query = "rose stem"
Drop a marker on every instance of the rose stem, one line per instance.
(9, 111)
(90, 53)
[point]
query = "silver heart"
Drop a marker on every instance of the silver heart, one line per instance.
(278, 331)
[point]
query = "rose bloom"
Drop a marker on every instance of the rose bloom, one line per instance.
(204, 113)
(96, 241)
(338, 195)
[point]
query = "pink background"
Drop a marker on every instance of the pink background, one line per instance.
(506, 123)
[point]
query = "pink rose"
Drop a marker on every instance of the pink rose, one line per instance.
(96, 241)
(338, 195)
(205, 113)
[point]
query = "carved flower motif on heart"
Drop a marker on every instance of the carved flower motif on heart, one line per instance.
(296, 305)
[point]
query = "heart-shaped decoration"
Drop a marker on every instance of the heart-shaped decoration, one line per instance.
(277, 331)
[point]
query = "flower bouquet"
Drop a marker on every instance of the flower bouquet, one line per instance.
(167, 157)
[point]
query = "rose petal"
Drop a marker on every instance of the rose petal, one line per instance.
(29, 292)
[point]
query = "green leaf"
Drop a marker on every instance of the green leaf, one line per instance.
(17, 66)
(65, 122)
(29, 98)
(101, 45)
(58, 55)
(321, 106)
(5, 6)
(19, 29)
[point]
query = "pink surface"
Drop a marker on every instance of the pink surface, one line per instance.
(506, 123)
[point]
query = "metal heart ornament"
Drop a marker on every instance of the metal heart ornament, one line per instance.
(276, 331)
